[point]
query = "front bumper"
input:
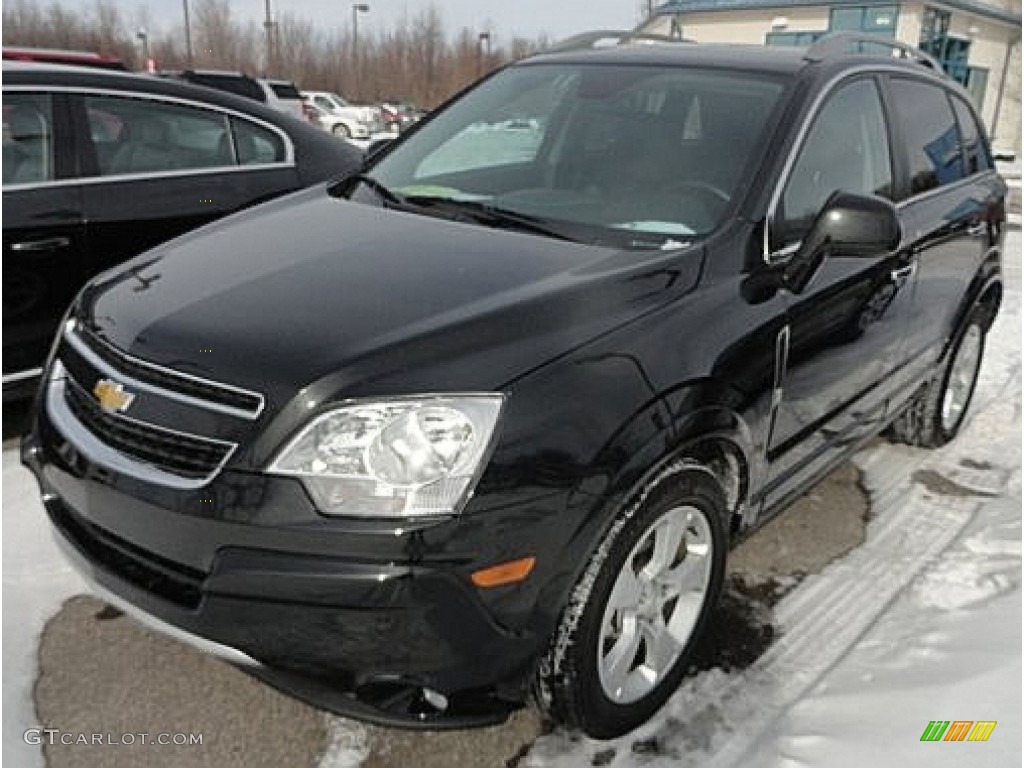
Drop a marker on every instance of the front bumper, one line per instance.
(360, 620)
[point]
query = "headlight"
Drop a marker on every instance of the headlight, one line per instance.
(394, 458)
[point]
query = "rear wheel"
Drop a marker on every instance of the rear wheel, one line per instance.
(936, 413)
(624, 641)
(341, 131)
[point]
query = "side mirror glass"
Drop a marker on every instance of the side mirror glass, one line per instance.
(848, 225)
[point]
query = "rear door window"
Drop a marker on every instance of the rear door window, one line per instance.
(285, 91)
(145, 136)
(930, 134)
(974, 150)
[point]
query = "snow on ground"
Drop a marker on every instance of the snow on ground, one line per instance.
(921, 623)
(37, 580)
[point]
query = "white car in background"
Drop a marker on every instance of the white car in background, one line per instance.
(341, 118)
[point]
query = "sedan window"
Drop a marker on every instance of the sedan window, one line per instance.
(145, 136)
(27, 138)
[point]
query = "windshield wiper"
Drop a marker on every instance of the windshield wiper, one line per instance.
(491, 216)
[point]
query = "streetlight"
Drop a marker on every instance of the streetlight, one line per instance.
(357, 8)
(269, 26)
(144, 40)
(483, 43)
(188, 37)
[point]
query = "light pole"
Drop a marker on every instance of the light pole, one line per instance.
(144, 42)
(269, 26)
(357, 8)
(483, 44)
(188, 37)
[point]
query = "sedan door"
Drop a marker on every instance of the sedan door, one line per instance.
(43, 238)
(159, 168)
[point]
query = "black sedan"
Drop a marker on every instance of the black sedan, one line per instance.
(100, 166)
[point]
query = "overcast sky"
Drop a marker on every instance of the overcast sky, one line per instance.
(507, 18)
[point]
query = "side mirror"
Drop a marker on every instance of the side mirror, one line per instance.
(376, 146)
(848, 225)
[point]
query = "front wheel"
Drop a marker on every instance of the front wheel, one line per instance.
(341, 131)
(936, 413)
(624, 641)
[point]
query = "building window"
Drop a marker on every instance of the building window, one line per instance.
(871, 19)
(977, 82)
(951, 52)
(797, 39)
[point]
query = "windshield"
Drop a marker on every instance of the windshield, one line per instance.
(616, 153)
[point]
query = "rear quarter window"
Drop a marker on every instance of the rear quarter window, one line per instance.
(930, 134)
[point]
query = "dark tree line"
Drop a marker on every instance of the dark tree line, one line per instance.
(414, 60)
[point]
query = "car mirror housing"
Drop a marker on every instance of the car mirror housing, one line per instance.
(848, 225)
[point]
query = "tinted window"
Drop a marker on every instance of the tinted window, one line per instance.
(929, 130)
(846, 149)
(27, 138)
(236, 84)
(144, 136)
(285, 90)
(255, 144)
(970, 138)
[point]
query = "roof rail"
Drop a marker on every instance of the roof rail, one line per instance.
(838, 43)
(587, 40)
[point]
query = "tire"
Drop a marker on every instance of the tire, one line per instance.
(612, 664)
(937, 411)
(341, 131)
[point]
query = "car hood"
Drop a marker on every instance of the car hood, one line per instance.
(314, 292)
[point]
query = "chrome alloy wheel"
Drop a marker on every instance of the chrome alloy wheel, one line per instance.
(654, 604)
(962, 374)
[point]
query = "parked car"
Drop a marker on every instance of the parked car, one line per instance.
(282, 95)
(343, 119)
(98, 167)
(398, 116)
(484, 419)
(58, 56)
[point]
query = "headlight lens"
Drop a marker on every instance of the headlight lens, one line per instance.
(394, 458)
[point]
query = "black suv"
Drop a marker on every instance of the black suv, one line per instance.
(483, 419)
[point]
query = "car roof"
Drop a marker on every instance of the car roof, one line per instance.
(781, 60)
(32, 73)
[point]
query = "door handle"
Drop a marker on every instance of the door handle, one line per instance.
(979, 228)
(47, 244)
(900, 275)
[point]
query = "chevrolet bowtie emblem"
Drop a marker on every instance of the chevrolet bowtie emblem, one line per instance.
(111, 396)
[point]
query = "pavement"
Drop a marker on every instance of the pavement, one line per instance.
(100, 672)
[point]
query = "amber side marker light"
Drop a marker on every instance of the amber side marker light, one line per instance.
(505, 573)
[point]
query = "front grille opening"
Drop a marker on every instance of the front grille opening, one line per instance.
(173, 582)
(182, 455)
(150, 374)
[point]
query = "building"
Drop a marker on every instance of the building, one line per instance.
(978, 43)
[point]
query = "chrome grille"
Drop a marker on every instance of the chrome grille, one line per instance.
(206, 393)
(154, 452)
(180, 454)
